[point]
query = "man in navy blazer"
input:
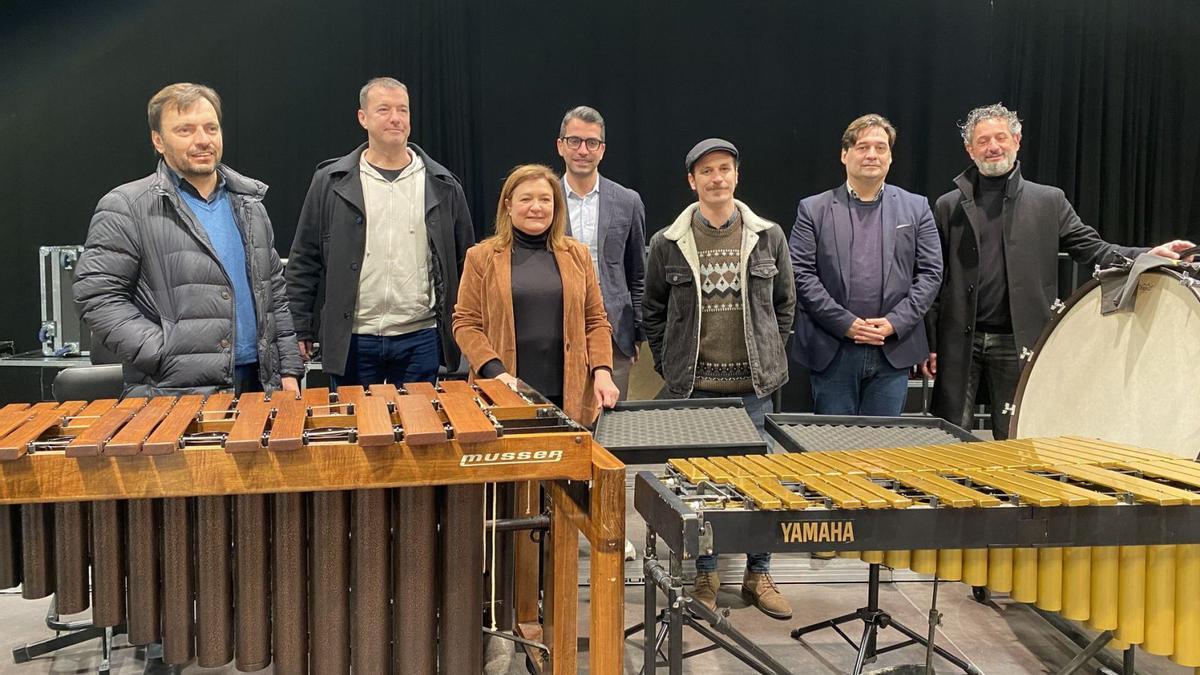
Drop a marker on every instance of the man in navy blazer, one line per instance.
(868, 266)
(611, 220)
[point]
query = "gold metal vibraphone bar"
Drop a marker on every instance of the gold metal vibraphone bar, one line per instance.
(1099, 532)
(317, 533)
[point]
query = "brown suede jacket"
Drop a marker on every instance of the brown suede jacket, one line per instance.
(483, 319)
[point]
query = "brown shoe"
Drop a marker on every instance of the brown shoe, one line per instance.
(759, 589)
(705, 589)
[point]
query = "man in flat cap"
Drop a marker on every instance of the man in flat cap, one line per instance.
(717, 311)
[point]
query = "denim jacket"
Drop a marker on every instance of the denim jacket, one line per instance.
(671, 302)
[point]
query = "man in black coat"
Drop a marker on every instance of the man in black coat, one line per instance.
(383, 232)
(989, 316)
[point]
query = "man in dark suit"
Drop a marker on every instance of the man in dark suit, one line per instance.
(611, 220)
(1001, 235)
(868, 265)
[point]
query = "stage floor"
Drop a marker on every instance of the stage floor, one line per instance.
(1000, 638)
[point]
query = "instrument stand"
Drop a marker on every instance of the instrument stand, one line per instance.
(874, 619)
(68, 634)
(1090, 649)
(682, 611)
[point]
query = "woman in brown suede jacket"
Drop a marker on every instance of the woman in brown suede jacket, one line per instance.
(529, 305)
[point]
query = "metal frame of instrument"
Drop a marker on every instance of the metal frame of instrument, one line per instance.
(661, 449)
(62, 456)
(1015, 521)
(871, 615)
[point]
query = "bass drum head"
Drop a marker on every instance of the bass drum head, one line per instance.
(1129, 377)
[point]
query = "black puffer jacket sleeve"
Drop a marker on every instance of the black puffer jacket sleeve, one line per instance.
(117, 311)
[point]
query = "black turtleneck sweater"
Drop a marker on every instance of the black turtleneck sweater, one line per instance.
(992, 313)
(537, 299)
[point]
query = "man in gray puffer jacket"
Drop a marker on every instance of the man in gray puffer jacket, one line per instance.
(179, 276)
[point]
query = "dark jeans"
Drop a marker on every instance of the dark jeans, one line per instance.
(245, 378)
(860, 381)
(993, 364)
(375, 359)
(757, 408)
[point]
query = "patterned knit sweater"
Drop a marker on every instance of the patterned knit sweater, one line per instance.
(723, 365)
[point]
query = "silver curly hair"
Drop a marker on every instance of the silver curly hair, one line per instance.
(987, 112)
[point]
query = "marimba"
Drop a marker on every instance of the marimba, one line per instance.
(316, 532)
(1098, 532)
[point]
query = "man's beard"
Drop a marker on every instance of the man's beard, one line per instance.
(998, 168)
(186, 167)
(198, 170)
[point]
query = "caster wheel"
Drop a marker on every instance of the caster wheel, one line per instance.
(981, 593)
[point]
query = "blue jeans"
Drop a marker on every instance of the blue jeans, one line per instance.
(860, 381)
(757, 408)
(375, 359)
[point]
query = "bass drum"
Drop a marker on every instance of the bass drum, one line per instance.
(1129, 377)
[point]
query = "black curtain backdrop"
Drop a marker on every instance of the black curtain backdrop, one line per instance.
(1107, 89)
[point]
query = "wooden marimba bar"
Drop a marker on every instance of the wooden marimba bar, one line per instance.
(317, 533)
(1099, 532)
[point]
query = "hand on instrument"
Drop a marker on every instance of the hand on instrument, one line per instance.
(508, 379)
(928, 367)
(1171, 249)
(306, 349)
(605, 389)
(289, 383)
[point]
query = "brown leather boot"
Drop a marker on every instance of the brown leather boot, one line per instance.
(759, 589)
(705, 589)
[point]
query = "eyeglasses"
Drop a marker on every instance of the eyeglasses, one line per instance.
(573, 142)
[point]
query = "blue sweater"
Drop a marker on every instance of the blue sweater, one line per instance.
(216, 217)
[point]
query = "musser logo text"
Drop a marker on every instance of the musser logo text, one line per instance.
(524, 457)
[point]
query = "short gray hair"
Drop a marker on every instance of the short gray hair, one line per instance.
(987, 112)
(388, 82)
(582, 113)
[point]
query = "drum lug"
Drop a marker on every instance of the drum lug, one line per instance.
(1058, 306)
(1008, 409)
(1188, 281)
(1026, 354)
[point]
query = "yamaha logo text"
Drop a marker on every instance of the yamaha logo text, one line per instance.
(824, 531)
(525, 457)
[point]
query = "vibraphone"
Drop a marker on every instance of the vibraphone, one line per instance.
(1097, 532)
(308, 531)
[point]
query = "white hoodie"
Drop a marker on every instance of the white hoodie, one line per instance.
(395, 296)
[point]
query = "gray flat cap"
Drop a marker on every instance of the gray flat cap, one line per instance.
(706, 146)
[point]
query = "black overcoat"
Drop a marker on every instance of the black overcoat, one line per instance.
(1038, 223)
